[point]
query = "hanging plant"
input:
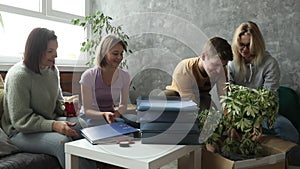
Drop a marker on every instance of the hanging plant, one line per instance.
(245, 110)
(98, 24)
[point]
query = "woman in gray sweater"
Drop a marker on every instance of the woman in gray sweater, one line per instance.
(254, 67)
(33, 102)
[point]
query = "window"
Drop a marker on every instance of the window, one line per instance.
(59, 5)
(20, 17)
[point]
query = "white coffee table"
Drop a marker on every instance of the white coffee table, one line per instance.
(137, 156)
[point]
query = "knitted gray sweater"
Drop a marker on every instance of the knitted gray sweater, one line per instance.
(31, 101)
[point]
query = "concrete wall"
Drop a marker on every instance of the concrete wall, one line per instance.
(165, 31)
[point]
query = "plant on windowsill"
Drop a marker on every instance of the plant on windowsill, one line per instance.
(98, 24)
(245, 111)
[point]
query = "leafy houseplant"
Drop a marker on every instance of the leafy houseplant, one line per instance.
(98, 24)
(245, 110)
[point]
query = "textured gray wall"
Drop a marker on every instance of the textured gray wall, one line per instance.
(164, 32)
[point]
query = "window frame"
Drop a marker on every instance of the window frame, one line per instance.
(47, 14)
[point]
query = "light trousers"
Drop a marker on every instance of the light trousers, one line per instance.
(51, 143)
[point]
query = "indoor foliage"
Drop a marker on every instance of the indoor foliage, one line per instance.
(97, 25)
(245, 110)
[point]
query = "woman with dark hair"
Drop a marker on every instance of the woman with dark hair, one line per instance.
(33, 102)
(36, 46)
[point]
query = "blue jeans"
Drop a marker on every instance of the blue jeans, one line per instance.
(51, 143)
(283, 129)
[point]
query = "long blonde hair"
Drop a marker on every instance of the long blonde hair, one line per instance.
(257, 46)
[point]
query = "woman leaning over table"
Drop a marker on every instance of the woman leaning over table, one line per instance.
(254, 67)
(105, 88)
(33, 102)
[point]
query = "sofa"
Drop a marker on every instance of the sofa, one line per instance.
(289, 105)
(13, 158)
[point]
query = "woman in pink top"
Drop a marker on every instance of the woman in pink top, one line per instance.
(105, 88)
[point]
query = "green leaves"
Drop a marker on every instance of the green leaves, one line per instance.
(246, 109)
(244, 125)
(97, 24)
(210, 125)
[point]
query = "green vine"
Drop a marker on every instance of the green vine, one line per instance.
(98, 24)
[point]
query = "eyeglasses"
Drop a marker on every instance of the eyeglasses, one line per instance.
(243, 45)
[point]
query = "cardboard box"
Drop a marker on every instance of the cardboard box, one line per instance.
(276, 147)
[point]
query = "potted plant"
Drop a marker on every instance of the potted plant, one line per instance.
(245, 110)
(97, 24)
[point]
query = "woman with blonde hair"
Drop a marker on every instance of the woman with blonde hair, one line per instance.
(254, 67)
(105, 87)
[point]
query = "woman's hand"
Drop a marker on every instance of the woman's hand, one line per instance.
(234, 134)
(257, 133)
(117, 113)
(62, 127)
(109, 116)
(211, 148)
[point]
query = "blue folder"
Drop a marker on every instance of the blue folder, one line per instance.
(171, 138)
(166, 105)
(108, 132)
(166, 116)
(170, 127)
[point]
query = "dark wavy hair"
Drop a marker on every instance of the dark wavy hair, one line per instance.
(36, 45)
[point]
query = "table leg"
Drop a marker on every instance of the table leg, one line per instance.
(71, 161)
(183, 162)
(195, 159)
(190, 161)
